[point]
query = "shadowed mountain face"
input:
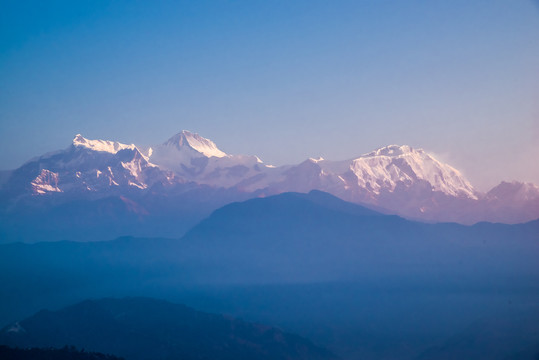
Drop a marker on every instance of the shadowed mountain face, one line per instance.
(142, 328)
(163, 211)
(316, 237)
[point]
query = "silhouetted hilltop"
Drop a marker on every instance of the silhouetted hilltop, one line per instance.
(143, 328)
(66, 353)
(318, 237)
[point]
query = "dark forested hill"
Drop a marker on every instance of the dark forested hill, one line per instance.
(143, 328)
(66, 353)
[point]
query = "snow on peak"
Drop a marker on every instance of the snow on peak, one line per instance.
(393, 151)
(100, 145)
(45, 182)
(384, 168)
(195, 142)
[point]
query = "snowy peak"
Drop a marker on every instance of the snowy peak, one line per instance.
(194, 158)
(394, 151)
(316, 160)
(387, 167)
(100, 145)
(195, 142)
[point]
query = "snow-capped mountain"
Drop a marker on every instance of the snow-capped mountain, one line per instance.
(388, 167)
(398, 179)
(95, 166)
(98, 165)
(386, 170)
(194, 158)
(188, 170)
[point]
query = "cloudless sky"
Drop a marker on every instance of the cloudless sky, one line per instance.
(285, 80)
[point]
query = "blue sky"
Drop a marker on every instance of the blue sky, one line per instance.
(284, 80)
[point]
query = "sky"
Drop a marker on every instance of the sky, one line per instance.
(283, 80)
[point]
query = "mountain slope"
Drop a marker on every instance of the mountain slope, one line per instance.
(318, 237)
(143, 328)
(513, 336)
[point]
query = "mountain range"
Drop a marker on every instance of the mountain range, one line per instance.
(107, 187)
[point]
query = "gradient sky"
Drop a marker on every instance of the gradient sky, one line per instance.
(284, 80)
